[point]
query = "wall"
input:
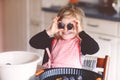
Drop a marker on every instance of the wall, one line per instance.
(90, 1)
(48, 3)
(1, 26)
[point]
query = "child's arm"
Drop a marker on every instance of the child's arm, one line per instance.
(53, 27)
(41, 40)
(88, 44)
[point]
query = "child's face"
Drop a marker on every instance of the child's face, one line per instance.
(67, 27)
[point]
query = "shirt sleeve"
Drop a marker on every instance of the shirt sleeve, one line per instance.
(88, 44)
(41, 40)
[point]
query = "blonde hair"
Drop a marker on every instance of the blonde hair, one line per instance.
(71, 10)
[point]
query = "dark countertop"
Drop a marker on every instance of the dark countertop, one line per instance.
(92, 11)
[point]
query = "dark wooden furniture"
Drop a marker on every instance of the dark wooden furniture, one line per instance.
(104, 63)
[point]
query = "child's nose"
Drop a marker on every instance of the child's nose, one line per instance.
(65, 28)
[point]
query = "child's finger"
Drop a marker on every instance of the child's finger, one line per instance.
(76, 24)
(54, 24)
(78, 27)
(56, 19)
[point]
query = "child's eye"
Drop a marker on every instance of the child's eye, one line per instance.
(61, 25)
(70, 26)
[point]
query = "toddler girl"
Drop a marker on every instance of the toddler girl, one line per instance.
(65, 41)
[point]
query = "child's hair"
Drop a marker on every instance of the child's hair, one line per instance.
(71, 10)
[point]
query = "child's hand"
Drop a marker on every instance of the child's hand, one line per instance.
(79, 27)
(54, 27)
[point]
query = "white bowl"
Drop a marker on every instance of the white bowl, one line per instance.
(18, 65)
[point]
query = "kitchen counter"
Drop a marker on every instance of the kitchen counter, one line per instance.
(91, 11)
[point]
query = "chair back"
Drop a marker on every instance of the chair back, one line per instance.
(104, 63)
(93, 63)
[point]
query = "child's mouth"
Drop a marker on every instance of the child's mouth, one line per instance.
(67, 33)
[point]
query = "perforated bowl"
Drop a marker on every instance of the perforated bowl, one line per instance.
(59, 73)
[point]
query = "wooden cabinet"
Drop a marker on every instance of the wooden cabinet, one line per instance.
(102, 26)
(108, 46)
(1, 25)
(118, 63)
(34, 21)
(106, 34)
(47, 19)
(21, 21)
(119, 29)
(15, 24)
(118, 56)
